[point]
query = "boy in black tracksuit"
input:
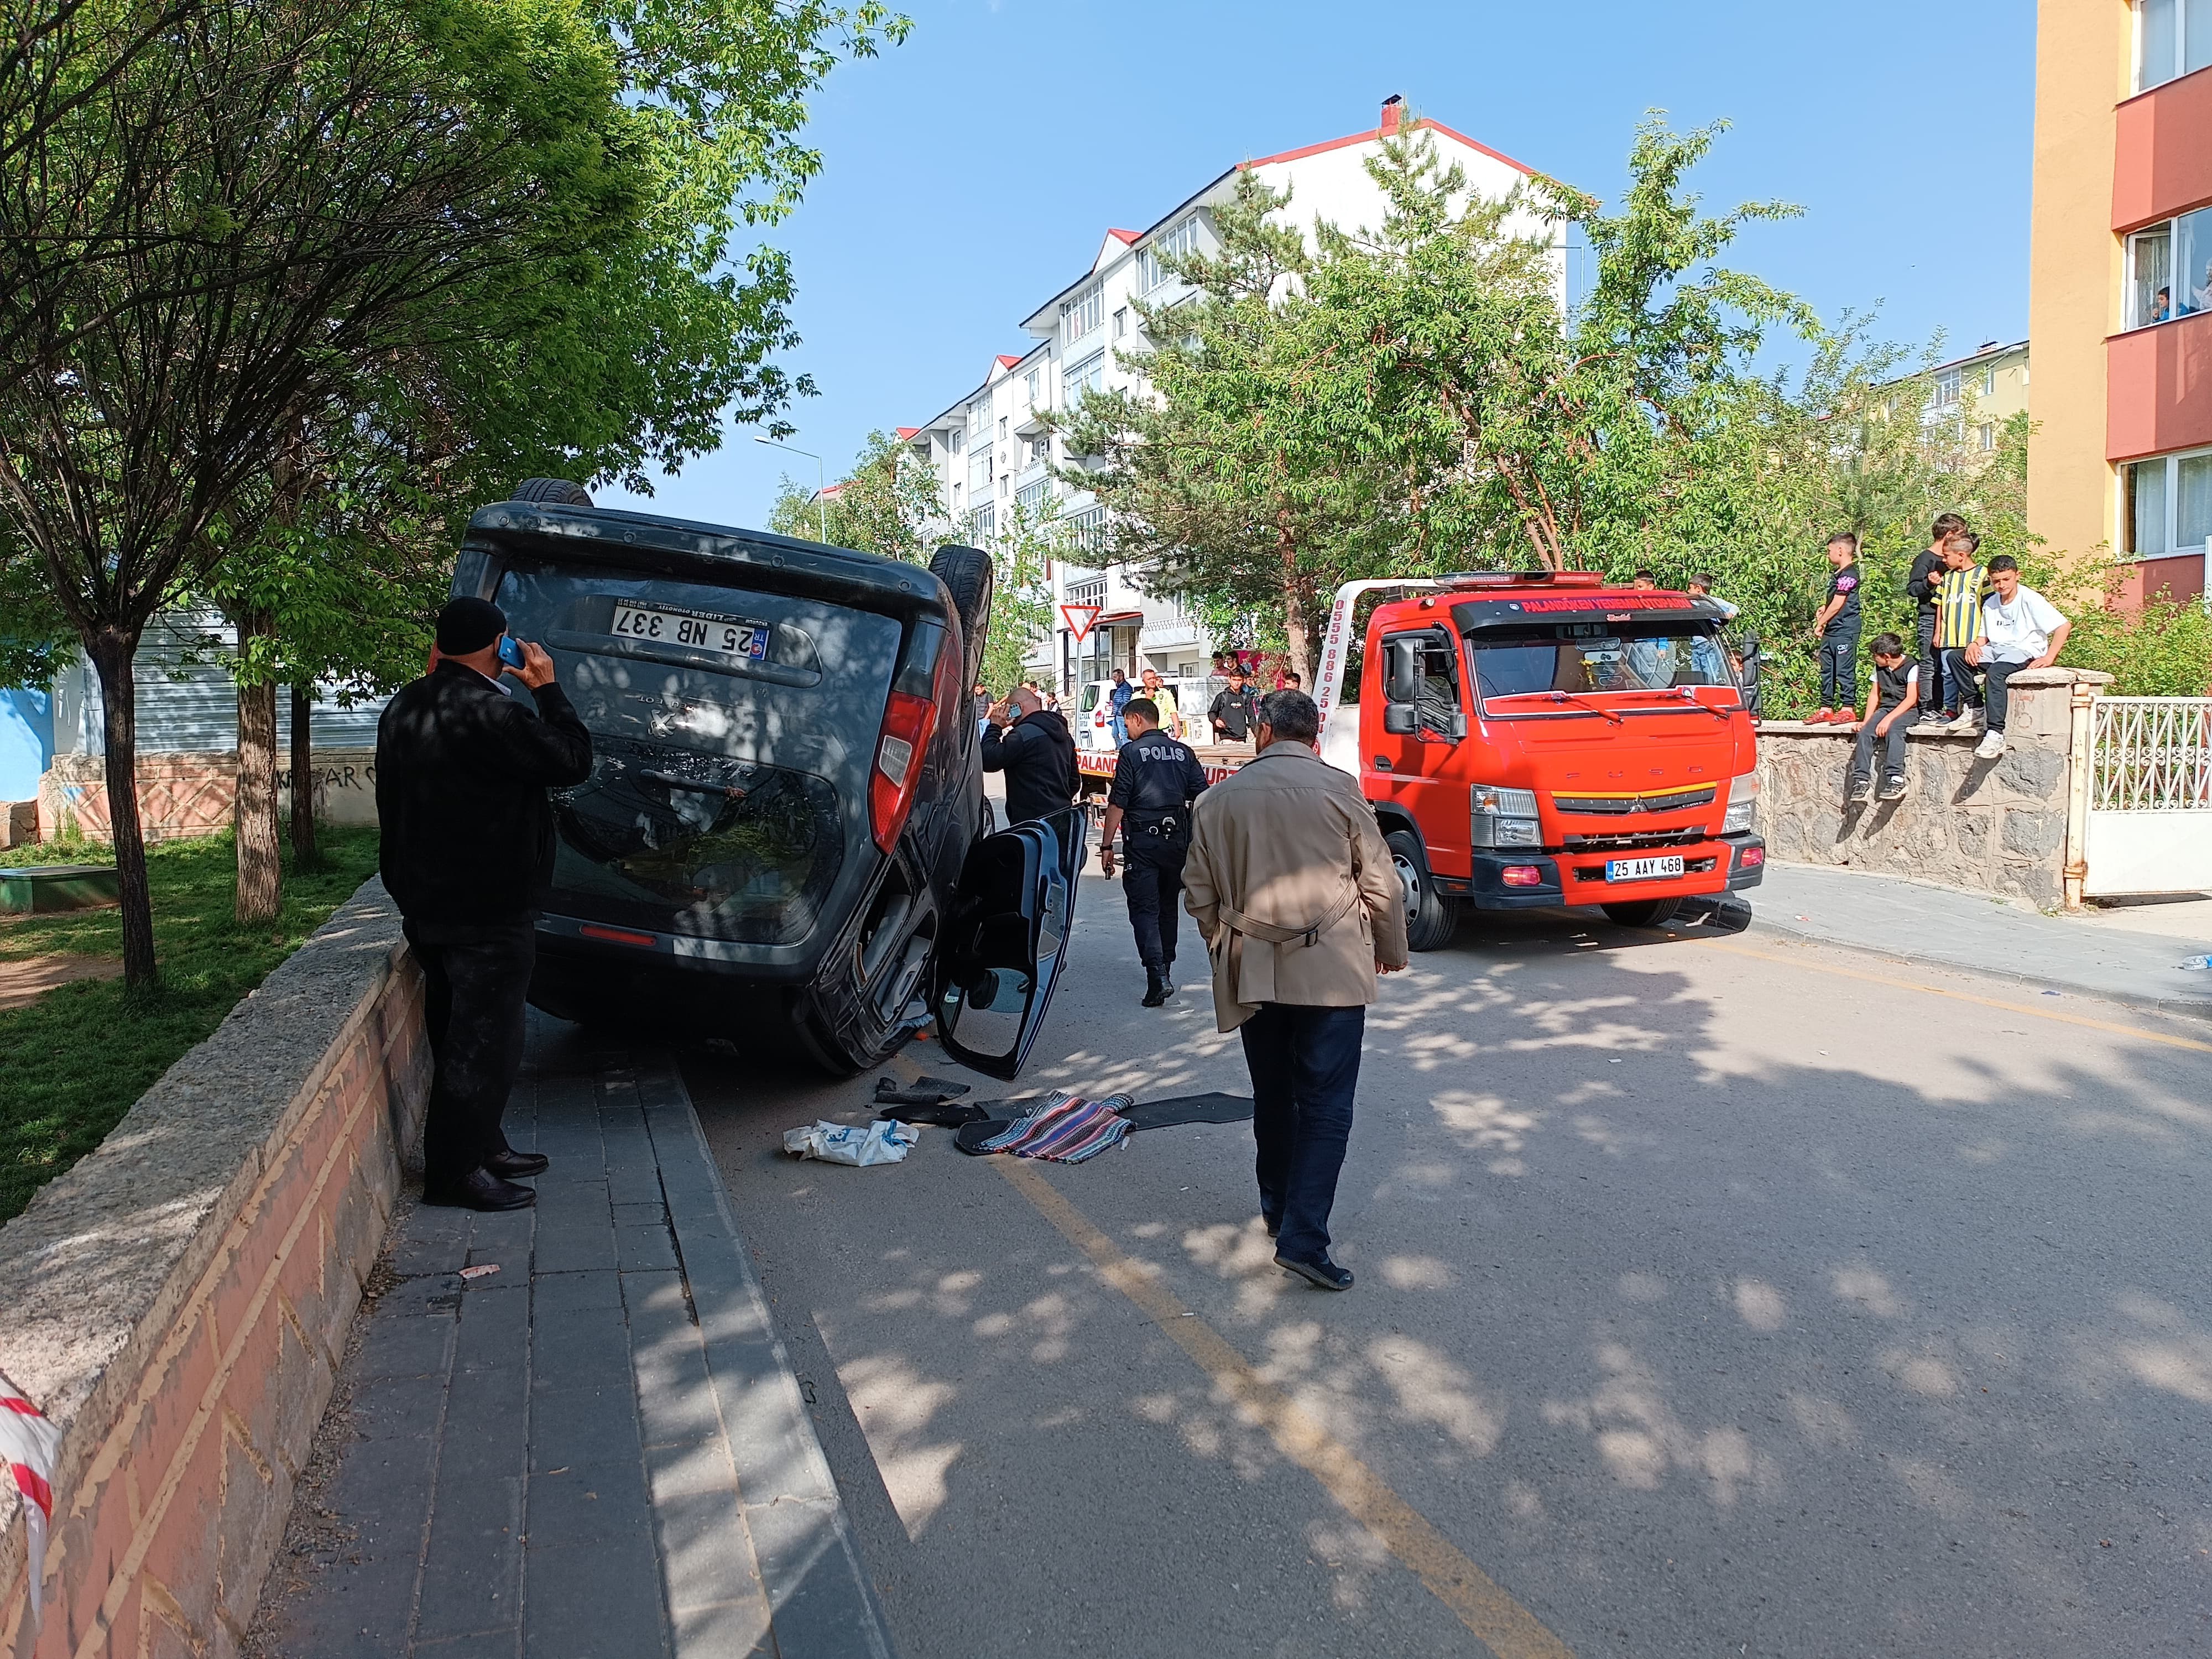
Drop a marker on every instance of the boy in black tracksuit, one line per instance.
(1155, 781)
(1922, 587)
(1892, 709)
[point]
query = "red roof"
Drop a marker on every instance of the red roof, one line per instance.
(906, 432)
(1125, 237)
(1006, 361)
(1411, 126)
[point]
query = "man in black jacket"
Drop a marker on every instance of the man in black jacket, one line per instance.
(1032, 745)
(1156, 778)
(1922, 586)
(462, 768)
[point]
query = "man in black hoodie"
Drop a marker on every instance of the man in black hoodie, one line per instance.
(462, 768)
(1922, 586)
(1032, 745)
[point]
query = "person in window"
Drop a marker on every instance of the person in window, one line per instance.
(2200, 299)
(2161, 307)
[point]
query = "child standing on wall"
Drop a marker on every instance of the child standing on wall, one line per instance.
(1892, 709)
(1837, 631)
(1958, 625)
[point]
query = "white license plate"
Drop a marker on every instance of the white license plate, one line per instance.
(731, 638)
(1642, 869)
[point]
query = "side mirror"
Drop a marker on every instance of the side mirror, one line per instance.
(1404, 680)
(1400, 720)
(1458, 729)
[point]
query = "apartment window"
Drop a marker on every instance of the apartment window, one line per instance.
(1040, 448)
(1032, 498)
(1179, 238)
(979, 421)
(1088, 375)
(982, 521)
(954, 439)
(1079, 316)
(1986, 435)
(2168, 504)
(1947, 389)
(1002, 428)
(2172, 38)
(1990, 381)
(1035, 379)
(2170, 269)
(979, 467)
(1121, 322)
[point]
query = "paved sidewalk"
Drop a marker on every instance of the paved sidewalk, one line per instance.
(1904, 917)
(599, 1451)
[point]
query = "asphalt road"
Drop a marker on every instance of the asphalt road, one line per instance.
(1717, 1295)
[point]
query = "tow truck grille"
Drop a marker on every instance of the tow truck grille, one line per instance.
(1664, 800)
(1634, 843)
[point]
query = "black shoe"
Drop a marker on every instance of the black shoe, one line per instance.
(1857, 790)
(1156, 989)
(510, 1165)
(480, 1189)
(1323, 1273)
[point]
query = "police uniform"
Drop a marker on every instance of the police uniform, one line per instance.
(1155, 779)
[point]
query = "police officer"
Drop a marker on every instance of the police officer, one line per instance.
(1155, 781)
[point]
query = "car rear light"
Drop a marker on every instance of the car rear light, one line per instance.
(1522, 875)
(899, 746)
(1752, 858)
(617, 935)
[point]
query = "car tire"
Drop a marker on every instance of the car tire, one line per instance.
(1643, 912)
(1431, 918)
(552, 492)
(967, 572)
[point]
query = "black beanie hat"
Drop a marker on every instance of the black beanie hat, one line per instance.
(467, 625)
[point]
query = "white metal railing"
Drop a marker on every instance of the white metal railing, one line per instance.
(2151, 754)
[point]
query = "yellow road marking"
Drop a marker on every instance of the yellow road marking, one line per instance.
(1507, 1628)
(1960, 996)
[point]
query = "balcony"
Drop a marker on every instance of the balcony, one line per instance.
(2162, 161)
(2158, 395)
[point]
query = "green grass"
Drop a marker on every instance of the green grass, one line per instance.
(72, 1062)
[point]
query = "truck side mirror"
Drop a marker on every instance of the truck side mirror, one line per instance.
(1404, 677)
(1400, 720)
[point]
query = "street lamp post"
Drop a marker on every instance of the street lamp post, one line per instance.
(821, 485)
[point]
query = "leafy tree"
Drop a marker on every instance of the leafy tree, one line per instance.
(1027, 541)
(887, 505)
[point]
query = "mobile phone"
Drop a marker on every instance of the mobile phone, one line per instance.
(510, 651)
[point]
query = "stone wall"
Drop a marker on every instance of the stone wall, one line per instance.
(190, 793)
(1998, 825)
(177, 1302)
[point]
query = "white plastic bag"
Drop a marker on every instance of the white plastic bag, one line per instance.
(883, 1141)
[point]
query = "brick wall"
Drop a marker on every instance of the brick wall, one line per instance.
(178, 1301)
(189, 792)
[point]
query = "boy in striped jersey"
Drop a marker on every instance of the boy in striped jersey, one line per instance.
(1957, 625)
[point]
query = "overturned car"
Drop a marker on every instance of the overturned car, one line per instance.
(783, 839)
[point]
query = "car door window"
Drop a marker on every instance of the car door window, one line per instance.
(1436, 693)
(1006, 942)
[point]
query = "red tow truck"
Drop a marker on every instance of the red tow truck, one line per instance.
(1542, 739)
(1535, 738)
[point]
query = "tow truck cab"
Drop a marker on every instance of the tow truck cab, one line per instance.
(1544, 739)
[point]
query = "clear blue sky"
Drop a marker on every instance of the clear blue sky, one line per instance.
(969, 173)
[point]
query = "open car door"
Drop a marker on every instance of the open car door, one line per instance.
(1006, 941)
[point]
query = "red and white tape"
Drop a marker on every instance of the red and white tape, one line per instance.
(30, 1445)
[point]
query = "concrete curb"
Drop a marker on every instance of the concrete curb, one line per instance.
(822, 1605)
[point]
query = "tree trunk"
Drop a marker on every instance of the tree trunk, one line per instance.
(260, 869)
(1296, 646)
(113, 652)
(304, 855)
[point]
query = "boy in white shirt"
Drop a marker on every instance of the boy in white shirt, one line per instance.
(2020, 629)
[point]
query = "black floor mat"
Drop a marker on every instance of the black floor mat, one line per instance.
(945, 1114)
(1190, 1108)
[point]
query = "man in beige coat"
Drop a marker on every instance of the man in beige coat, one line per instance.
(1300, 908)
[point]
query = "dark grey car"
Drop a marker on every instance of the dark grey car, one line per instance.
(784, 837)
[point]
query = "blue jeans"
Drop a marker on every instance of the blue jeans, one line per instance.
(1839, 666)
(1304, 1063)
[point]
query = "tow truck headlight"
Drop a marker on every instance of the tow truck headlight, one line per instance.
(1743, 805)
(1505, 818)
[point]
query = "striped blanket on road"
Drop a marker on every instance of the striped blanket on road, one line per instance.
(1065, 1129)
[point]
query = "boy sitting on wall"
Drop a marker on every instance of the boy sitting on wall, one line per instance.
(1892, 709)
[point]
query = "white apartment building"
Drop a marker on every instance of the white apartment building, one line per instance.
(992, 452)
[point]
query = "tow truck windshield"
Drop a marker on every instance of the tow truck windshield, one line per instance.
(1525, 671)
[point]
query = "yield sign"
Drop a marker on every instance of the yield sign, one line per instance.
(1081, 619)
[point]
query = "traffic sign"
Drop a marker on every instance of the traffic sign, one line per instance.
(1081, 619)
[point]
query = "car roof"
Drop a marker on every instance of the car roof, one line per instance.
(654, 544)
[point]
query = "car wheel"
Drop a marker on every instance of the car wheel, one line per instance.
(1429, 916)
(553, 492)
(967, 572)
(1643, 912)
